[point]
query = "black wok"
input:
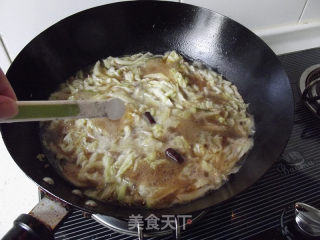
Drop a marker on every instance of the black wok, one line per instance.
(131, 27)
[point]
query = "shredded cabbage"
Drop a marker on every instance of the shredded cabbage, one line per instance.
(195, 111)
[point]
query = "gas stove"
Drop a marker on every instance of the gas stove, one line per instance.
(266, 209)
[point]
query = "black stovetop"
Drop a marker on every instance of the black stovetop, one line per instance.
(256, 213)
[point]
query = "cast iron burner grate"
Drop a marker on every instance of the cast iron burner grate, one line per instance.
(309, 87)
(256, 213)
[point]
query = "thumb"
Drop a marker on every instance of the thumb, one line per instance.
(8, 107)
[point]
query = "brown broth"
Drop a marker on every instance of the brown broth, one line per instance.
(156, 65)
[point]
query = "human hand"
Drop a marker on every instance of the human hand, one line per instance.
(8, 106)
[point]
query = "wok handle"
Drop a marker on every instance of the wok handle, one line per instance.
(26, 227)
(39, 223)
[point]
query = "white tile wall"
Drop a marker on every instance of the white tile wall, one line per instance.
(311, 12)
(256, 14)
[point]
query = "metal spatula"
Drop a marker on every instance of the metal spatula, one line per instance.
(67, 109)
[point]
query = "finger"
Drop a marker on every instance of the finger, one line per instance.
(5, 87)
(8, 107)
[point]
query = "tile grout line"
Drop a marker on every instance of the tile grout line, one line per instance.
(303, 9)
(5, 49)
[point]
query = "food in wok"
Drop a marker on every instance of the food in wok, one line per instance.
(184, 131)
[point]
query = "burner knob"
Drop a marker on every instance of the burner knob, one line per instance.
(308, 219)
